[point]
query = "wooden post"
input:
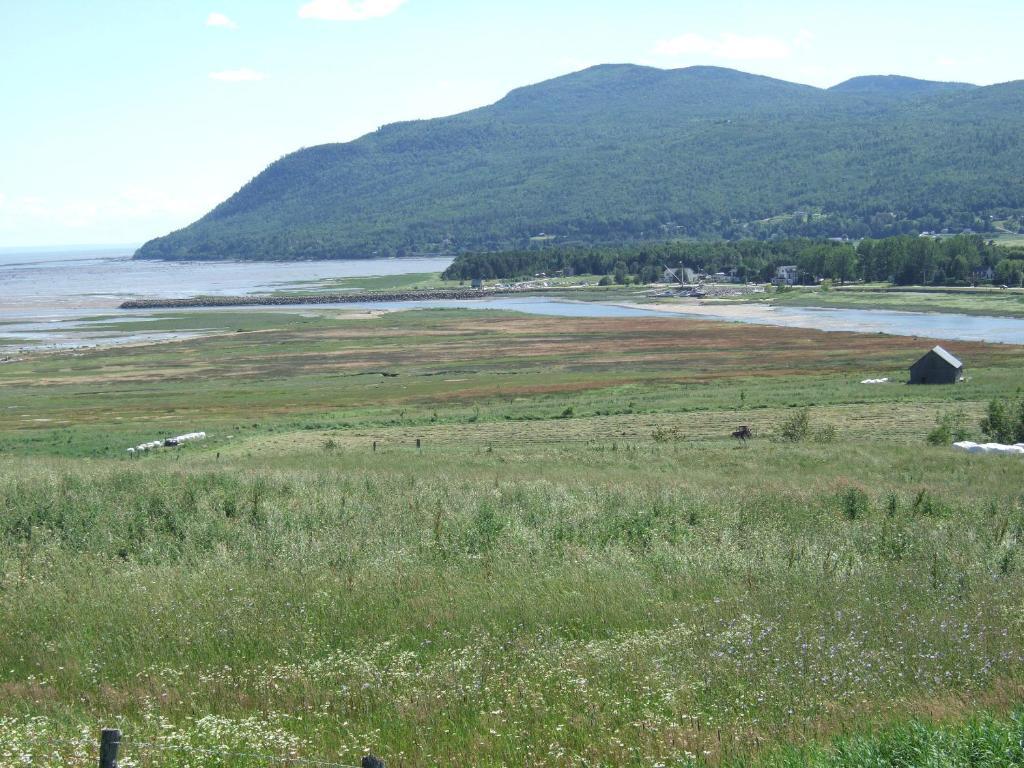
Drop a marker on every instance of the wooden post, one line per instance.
(374, 446)
(417, 443)
(110, 741)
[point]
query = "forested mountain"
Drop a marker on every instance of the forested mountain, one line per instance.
(897, 86)
(620, 152)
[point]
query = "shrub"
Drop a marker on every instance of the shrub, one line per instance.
(797, 427)
(854, 502)
(665, 434)
(605, 281)
(826, 433)
(949, 428)
(1004, 421)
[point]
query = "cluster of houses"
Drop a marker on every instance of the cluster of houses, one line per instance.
(688, 276)
(785, 275)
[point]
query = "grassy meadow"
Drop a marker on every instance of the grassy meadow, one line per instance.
(578, 566)
(967, 301)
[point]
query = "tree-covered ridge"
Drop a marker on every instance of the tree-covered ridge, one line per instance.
(904, 260)
(896, 86)
(622, 153)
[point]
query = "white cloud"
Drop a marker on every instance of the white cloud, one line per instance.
(348, 10)
(725, 46)
(216, 19)
(237, 75)
(803, 37)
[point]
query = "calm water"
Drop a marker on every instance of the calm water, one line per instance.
(54, 284)
(933, 325)
(531, 305)
(47, 296)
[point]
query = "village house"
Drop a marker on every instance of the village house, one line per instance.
(984, 273)
(787, 275)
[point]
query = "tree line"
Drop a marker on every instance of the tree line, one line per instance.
(903, 260)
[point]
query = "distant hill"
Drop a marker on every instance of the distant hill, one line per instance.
(897, 86)
(623, 152)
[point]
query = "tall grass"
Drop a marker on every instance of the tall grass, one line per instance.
(502, 612)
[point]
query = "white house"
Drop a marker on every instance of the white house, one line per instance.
(787, 275)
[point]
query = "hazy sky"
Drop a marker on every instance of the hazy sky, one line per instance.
(122, 120)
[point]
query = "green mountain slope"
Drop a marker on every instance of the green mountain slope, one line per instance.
(896, 86)
(620, 152)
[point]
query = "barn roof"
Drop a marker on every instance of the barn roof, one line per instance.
(949, 358)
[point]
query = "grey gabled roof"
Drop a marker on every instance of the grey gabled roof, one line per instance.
(947, 357)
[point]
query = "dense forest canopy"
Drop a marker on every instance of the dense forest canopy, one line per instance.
(621, 153)
(904, 260)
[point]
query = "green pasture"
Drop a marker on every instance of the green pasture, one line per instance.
(578, 566)
(1000, 303)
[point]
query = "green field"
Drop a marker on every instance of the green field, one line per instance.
(411, 280)
(578, 566)
(981, 301)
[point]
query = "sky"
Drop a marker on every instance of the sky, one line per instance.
(123, 120)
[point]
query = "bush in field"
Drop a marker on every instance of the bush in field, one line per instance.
(825, 433)
(799, 428)
(1004, 421)
(854, 502)
(665, 434)
(949, 428)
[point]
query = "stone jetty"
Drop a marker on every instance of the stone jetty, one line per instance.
(349, 297)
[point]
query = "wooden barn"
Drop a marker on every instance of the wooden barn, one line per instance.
(937, 367)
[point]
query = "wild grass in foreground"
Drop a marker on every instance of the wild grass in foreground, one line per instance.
(633, 612)
(983, 741)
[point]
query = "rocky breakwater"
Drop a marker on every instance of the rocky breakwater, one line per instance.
(349, 297)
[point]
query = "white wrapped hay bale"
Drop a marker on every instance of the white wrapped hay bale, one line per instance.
(972, 447)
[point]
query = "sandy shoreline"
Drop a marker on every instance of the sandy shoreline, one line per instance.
(727, 312)
(14, 311)
(73, 330)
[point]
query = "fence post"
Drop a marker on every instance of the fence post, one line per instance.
(417, 443)
(110, 741)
